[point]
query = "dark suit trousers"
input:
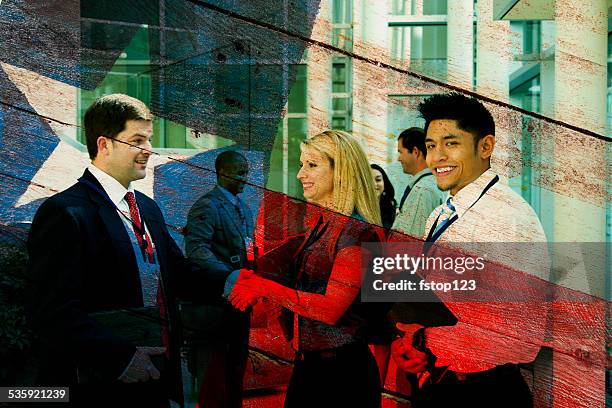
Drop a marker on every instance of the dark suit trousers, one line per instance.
(342, 377)
(150, 394)
(53, 372)
(219, 353)
(502, 386)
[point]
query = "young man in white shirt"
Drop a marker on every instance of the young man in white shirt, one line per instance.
(474, 361)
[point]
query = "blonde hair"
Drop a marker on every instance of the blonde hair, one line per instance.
(353, 183)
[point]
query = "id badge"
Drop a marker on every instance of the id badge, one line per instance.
(249, 244)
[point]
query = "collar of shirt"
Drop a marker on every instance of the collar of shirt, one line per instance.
(419, 174)
(112, 187)
(232, 198)
(470, 193)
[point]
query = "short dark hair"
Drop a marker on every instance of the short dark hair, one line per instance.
(227, 157)
(470, 114)
(413, 137)
(107, 117)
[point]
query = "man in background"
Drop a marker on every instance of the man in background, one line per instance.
(422, 195)
(219, 239)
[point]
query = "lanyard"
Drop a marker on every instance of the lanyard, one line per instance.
(137, 230)
(409, 189)
(434, 235)
(419, 179)
(164, 316)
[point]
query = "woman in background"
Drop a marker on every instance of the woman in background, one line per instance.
(333, 366)
(386, 196)
(380, 330)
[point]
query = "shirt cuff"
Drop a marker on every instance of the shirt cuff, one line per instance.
(230, 282)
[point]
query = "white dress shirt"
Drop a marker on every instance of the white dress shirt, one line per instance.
(491, 333)
(423, 198)
(115, 190)
(500, 215)
(149, 273)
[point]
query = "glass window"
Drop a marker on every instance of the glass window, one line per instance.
(432, 7)
(275, 175)
(531, 37)
(343, 38)
(609, 99)
(338, 122)
(298, 97)
(408, 7)
(342, 11)
(129, 76)
(297, 128)
(429, 43)
(403, 114)
(231, 88)
(401, 7)
(424, 46)
(339, 77)
(292, 129)
(342, 24)
(340, 104)
(609, 156)
(527, 95)
(133, 11)
(526, 71)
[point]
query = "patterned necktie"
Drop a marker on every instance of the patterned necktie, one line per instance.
(141, 235)
(147, 248)
(448, 210)
(240, 212)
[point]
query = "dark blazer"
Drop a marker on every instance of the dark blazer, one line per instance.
(215, 242)
(81, 261)
(214, 239)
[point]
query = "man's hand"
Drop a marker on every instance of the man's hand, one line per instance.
(406, 357)
(245, 274)
(243, 299)
(141, 368)
(248, 290)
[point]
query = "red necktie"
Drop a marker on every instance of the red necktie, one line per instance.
(141, 235)
(147, 248)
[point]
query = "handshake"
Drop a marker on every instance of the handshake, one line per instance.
(248, 290)
(406, 356)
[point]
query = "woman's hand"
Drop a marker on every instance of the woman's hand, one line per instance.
(248, 290)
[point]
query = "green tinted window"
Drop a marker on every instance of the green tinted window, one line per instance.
(292, 129)
(297, 96)
(129, 76)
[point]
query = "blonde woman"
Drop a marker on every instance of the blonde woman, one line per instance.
(334, 366)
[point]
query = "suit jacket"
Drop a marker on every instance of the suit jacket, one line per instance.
(214, 239)
(81, 261)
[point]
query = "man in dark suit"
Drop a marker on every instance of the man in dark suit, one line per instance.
(104, 272)
(219, 239)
